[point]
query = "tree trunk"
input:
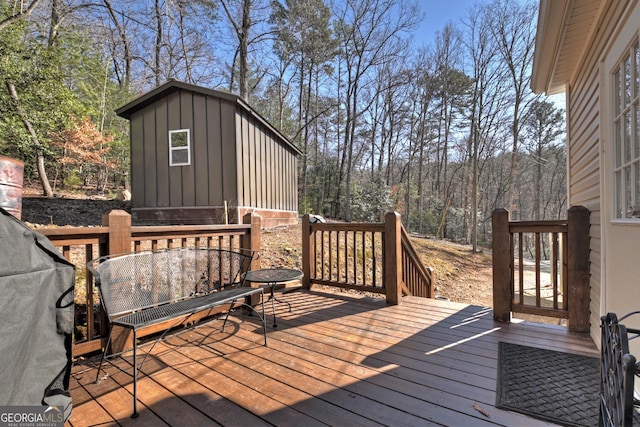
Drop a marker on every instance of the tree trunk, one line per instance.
(158, 47)
(243, 79)
(42, 173)
(126, 79)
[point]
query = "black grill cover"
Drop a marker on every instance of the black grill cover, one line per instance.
(36, 318)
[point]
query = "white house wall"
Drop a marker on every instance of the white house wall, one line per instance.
(614, 248)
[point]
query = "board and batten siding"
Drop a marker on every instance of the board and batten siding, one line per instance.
(156, 184)
(268, 167)
(239, 163)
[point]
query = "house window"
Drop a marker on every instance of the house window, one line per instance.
(626, 127)
(179, 147)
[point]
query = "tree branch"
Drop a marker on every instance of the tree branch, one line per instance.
(22, 14)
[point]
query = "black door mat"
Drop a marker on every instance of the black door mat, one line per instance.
(559, 387)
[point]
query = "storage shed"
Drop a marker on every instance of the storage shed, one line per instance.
(201, 156)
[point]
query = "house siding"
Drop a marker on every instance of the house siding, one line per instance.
(206, 181)
(583, 160)
(586, 141)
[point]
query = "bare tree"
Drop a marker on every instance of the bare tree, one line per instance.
(241, 26)
(450, 83)
(127, 57)
(370, 33)
(485, 102)
(542, 126)
(513, 27)
(424, 88)
(305, 38)
(42, 172)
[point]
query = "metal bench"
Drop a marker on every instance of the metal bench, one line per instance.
(148, 288)
(618, 368)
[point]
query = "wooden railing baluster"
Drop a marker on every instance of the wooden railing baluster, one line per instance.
(568, 247)
(82, 244)
(356, 256)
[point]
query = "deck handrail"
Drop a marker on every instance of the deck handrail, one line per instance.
(420, 280)
(369, 257)
(566, 295)
(80, 245)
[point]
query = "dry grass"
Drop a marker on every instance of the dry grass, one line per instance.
(461, 275)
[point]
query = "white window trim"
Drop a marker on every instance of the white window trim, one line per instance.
(172, 149)
(625, 37)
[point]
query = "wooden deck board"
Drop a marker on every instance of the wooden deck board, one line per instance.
(334, 360)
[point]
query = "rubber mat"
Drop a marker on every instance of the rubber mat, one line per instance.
(559, 387)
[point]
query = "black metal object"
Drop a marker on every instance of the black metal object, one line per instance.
(617, 372)
(273, 276)
(148, 288)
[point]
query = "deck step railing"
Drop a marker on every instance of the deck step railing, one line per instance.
(542, 267)
(368, 257)
(418, 279)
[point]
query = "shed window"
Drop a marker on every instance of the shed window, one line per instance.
(179, 147)
(626, 127)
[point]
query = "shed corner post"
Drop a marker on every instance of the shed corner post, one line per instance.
(502, 275)
(119, 223)
(393, 257)
(578, 274)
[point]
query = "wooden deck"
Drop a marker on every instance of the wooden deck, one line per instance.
(334, 360)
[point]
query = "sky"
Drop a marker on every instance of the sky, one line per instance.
(436, 15)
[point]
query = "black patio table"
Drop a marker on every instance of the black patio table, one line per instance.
(271, 277)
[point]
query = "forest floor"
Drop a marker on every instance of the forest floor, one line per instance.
(461, 275)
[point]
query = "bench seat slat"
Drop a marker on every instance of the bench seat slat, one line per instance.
(151, 316)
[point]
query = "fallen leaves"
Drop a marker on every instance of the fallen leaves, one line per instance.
(478, 408)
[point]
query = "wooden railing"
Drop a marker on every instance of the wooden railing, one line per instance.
(418, 278)
(82, 244)
(369, 257)
(372, 257)
(542, 267)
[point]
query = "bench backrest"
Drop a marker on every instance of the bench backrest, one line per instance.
(137, 281)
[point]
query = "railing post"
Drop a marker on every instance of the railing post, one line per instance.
(502, 274)
(308, 252)
(252, 242)
(393, 257)
(119, 242)
(578, 268)
(119, 223)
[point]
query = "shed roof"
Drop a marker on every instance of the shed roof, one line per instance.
(172, 85)
(565, 29)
